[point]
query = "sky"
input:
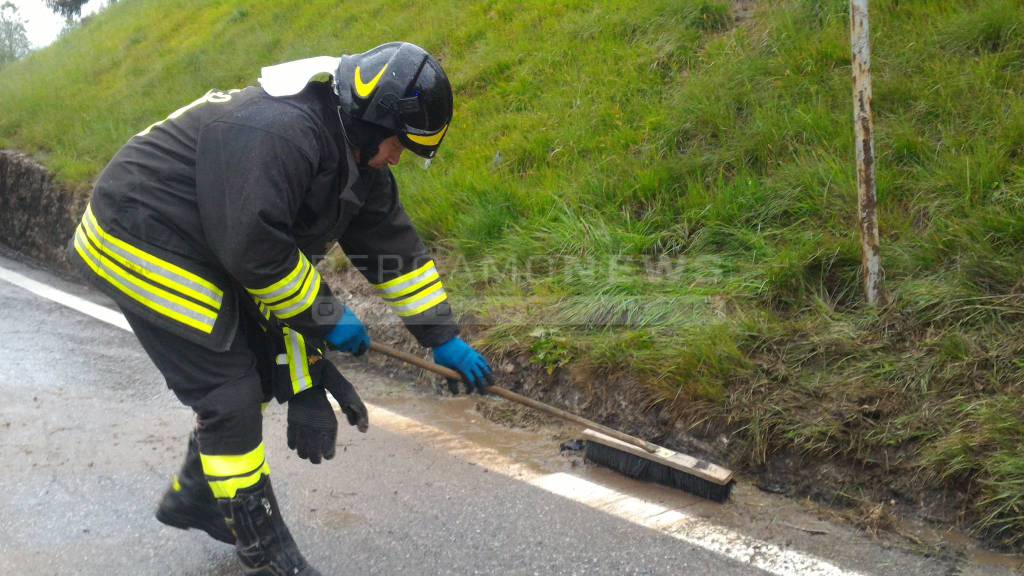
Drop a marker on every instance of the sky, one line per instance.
(41, 24)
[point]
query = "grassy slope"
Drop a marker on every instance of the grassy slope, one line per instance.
(716, 160)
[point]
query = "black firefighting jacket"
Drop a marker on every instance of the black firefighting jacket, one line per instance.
(226, 205)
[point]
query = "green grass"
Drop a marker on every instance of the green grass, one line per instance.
(653, 194)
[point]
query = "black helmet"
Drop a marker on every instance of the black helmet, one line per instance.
(398, 87)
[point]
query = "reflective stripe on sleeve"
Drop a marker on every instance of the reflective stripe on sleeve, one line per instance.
(408, 283)
(263, 310)
(293, 294)
(153, 297)
(286, 285)
(150, 267)
(303, 300)
(420, 302)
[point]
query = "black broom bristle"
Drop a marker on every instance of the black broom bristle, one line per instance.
(644, 469)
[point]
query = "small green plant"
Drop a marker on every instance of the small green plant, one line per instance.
(549, 350)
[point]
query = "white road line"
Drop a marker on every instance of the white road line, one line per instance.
(678, 524)
(101, 313)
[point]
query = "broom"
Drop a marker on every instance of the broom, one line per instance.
(632, 456)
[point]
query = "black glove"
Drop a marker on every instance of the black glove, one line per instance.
(346, 395)
(312, 427)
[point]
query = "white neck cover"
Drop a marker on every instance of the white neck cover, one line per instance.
(291, 77)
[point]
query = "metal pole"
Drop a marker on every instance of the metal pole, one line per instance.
(871, 259)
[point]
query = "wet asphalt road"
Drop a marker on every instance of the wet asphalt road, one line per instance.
(89, 436)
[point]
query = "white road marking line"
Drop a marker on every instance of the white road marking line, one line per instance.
(676, 523)
(101, 313)
(673, 522)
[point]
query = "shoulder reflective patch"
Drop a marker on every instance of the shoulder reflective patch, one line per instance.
(364, 89)
(431, 140)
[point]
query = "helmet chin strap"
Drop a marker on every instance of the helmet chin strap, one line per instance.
(363, 136)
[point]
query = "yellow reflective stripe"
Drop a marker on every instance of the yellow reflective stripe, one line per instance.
(229, 488)
(147, 295)
(431, 140)
(397, 286)
(298, 363)
(364, 89)
(296, 295)
(437, 299)
(420, 301)
(170, 300)
(153, 268)
(304, 299)
(175, 484)
(412, 282)
(149, 288)
(284, 286)
(233, 464)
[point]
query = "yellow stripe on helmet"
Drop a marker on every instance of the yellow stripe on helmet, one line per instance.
(432, 140)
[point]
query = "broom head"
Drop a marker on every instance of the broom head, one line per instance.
(663, 466)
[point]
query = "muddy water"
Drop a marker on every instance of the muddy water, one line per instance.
(532, 440)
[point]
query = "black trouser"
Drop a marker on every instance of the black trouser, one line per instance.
(225, 390)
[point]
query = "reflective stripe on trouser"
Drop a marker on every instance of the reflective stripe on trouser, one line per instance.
(293, 294)
(155, 283)
(227, 474)
(415, 292)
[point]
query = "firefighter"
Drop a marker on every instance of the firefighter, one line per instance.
(204, 228)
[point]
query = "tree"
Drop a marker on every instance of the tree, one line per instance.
(69, 9)
(13, 40)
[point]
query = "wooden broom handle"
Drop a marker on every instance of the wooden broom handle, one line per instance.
(509, 395)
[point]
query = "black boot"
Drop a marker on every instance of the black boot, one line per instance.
(189, 503)
(265, 546)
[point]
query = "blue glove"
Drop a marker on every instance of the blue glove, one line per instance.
(462, 358)
(349, 335)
